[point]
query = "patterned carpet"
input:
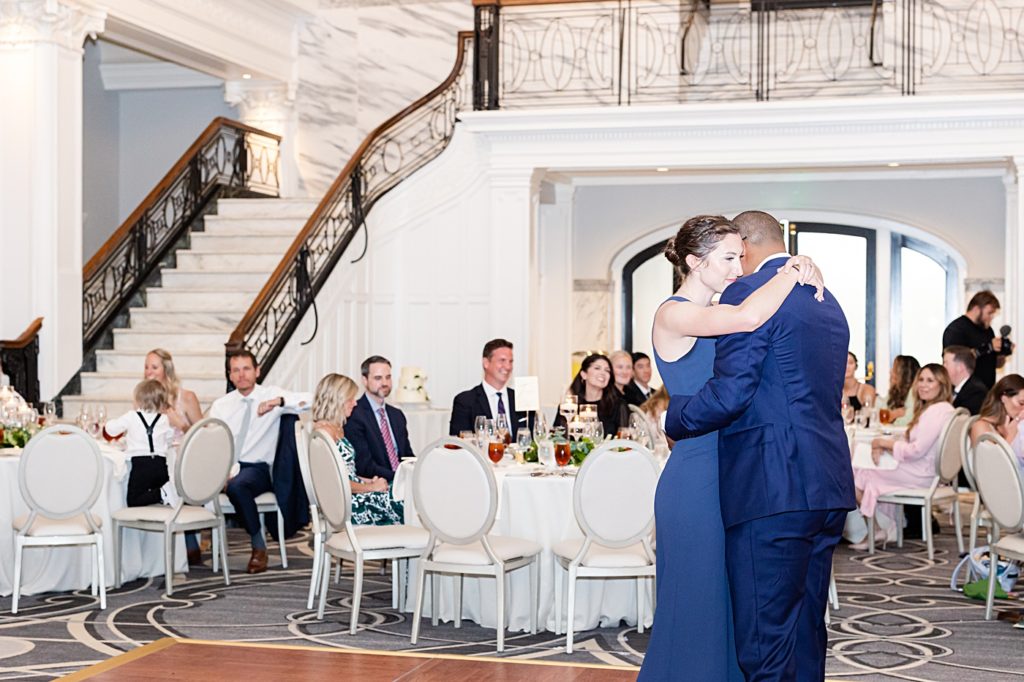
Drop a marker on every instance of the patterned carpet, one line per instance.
(898, 620)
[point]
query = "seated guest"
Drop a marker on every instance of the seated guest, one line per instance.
(653, 408)
(185, 410)
(372, 503)
(900, 400)
(253, 413)
(148, 437)
(1002, 412)
(592, 386)
(641, 387)
(622, 371)
(858, 394)
(378, 431)
(968, 391)
(915, 451)
(492, 396)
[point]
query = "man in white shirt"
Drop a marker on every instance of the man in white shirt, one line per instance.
(491, 397)
(253, 412)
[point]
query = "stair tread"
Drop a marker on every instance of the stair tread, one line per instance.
(128, 375)
(189, 353)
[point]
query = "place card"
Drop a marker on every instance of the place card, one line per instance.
(527, 394)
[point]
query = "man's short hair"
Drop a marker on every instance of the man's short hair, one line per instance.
(372, 360)
(495, 344)
(640, 355)
(243, 353)
(962, 354)
(758, 227)
(982, 299)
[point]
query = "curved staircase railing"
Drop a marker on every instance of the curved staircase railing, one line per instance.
(392, 152)
(228, 158)
(19, 360)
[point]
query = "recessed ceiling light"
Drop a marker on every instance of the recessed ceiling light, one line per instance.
(662, 169)
(246, 76)
(893, 164)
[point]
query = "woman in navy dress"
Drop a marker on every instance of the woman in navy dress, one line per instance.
(692, 636)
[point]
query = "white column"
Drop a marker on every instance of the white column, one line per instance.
(270, 106)
(513, 271)
(41, 177)
(553, 314)
(1013, 299)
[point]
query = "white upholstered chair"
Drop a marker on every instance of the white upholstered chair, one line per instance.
(613, 499)
(319, 527)
(980, 518)
(60, 475)
(357, 544)
(456, 497)
(997, 475)
(942, 489)
(200, 471)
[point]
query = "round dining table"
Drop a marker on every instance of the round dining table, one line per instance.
(535, 504)
(61, 569)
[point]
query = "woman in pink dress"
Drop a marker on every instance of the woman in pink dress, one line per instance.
(915, 451)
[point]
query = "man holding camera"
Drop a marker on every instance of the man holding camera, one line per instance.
(973, 329)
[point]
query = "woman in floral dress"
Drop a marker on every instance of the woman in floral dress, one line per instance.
(372, 503)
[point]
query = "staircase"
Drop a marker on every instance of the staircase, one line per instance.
(198, 304)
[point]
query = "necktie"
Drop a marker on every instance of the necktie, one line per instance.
(389, 442)
(244, 430)
(501, 406)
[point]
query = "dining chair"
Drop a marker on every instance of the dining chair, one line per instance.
(613, 500)
(943, 487)
(200, 472)
(456, 497)
(980, 518)
(60, 476)
(346, 542)
(999, 482)
(319, 527)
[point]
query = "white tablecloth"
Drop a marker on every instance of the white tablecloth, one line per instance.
(537, 509)
(70, 568)
(856, 528)
(426, 423)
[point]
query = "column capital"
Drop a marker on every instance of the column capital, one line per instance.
(61, 22)
(255, 96)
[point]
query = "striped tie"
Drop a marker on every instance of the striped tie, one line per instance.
(389, 442)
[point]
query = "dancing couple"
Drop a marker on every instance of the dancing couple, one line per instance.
(752, 501)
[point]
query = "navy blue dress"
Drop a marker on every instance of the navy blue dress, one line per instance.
(692, 635)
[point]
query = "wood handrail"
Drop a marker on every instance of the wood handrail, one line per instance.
(521, 3)
(122, 232)
(237, 338)
(26, 337)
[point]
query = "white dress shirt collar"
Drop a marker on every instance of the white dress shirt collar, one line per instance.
(959, 387)
(781, 254)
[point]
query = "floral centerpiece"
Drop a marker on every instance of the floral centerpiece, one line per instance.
(15, 436)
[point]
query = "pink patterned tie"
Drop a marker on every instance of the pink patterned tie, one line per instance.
(389, 442)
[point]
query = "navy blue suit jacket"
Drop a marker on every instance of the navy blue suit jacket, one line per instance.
(469, 405)
(363, 433)
(775, 400)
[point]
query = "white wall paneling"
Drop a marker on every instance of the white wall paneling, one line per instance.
(1011, 313)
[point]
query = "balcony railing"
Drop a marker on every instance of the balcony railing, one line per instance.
(19, 359)
(228, 158)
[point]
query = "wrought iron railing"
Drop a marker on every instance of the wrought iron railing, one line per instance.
(19, 360)
(564, 52)
(392, 152)
(228, 158)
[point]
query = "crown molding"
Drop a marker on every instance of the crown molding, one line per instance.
(153, 76)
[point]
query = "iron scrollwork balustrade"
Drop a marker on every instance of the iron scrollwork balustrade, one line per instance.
(19, 360)
(228, 157)
(390, 154)
(650, 51)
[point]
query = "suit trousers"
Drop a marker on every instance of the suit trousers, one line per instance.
(252, 480)
(779, 569)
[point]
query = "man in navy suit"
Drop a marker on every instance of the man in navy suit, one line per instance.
(377, 431)
(785, 478)
(492, 396)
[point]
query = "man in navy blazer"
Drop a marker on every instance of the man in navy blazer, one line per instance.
(785, 477)
(490, 396)
(367, 428)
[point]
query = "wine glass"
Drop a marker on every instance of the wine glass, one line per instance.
(541, 429)
(569, 407)
(597, 429)
(501, 428)
(50, 412)
(523, 438)
(484, 428)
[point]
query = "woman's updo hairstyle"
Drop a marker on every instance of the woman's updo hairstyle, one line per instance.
(697, 237)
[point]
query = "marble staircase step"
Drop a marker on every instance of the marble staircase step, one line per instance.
(224, 261)
(186, 361)
(267, 243)
(250, 281)
(123, 383)
(267, 208)
(173, 341)
(118, 404)
(252, 227)
(194, 299)
(145, 319)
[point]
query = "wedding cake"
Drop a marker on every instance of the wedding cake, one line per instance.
(412, 386)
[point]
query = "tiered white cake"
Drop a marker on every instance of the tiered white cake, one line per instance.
(412, 386)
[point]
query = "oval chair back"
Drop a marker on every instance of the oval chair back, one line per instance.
(454, 491)
(302, 449)
(967, 463)
(61, 473)
(207, 455)
(999, 481)
(613, 496)
(947, 464)
(330, 481)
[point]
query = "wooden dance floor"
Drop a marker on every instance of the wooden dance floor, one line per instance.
(184, 659)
